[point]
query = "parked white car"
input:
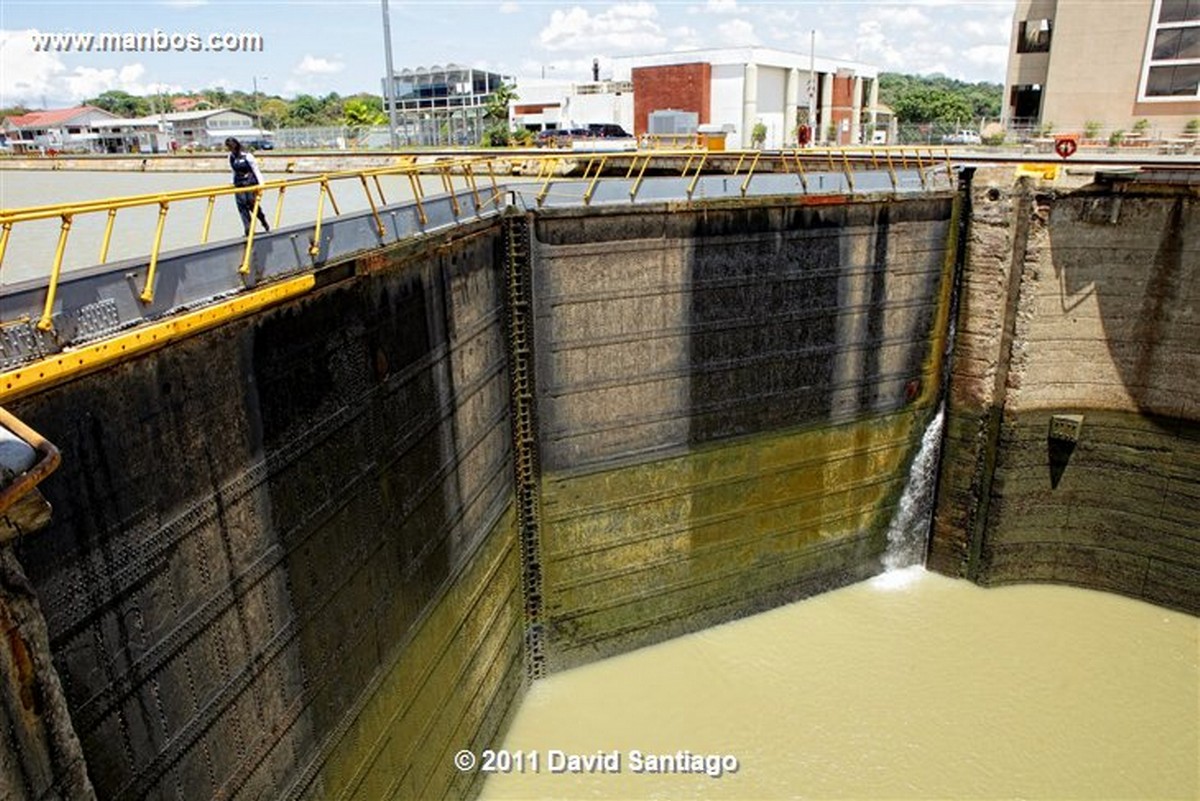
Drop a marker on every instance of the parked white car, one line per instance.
(964, 137)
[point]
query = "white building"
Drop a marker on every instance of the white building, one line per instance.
(155, 133)
(65, 129)
(744, 86)
(552, 104)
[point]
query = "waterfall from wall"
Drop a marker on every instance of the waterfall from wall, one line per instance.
(909, 529)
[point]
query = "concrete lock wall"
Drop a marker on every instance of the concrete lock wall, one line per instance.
(314, 553)
(1073, 442)
(283, 560)
(728, 402)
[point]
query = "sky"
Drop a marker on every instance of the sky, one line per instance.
(321, 46)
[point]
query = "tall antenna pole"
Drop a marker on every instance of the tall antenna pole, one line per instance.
(812, 86)
(389, 83)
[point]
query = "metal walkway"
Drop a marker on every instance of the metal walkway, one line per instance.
(76, 321)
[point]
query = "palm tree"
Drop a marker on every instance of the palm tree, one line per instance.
(496, 112)
(358, 115)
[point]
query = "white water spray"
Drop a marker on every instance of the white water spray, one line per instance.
(910, 525)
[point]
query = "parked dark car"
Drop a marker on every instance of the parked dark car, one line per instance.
(260, 144)
(562, 137)
(608, 130)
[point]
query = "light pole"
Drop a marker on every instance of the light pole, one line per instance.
(544, 68)
(258, 105)
(389, 83)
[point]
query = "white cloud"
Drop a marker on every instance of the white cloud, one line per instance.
(312, 65)
(625, 26)
(509, 8)
(900, 17)
(737, 33)
(25, 74)
(987, 57)
(719, 7)
(32, 78)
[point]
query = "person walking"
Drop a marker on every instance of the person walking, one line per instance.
(245, 173)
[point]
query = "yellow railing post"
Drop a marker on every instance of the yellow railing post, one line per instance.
(45, 323)
(448, 182)
(591, 190)
(696, 177)
(147, 295)
(416, 188)
(633, 190)
(378, 188)
(470, 176)
(750, 172)
(314, 247)
(495, 188)
(633, 165)
(245, 268)
(278, 208)
(332, 200)
(5, 232)
(208, 213)
(545, 190)
(847, 169)
(891, 169)
(108, 229)
(371, 200)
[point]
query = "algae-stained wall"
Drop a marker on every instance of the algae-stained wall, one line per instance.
(728, 401)
(283, 559)
(1081, 305)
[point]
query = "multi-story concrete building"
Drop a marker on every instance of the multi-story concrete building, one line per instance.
(740, 87)
(1104, 62)
(443, 105)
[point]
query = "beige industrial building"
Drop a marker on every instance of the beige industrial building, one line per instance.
(1104, 64)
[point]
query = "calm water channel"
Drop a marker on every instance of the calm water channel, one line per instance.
(909, 686)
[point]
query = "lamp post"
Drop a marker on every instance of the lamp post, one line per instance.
(544, 68)
(389, 82)
(258, 105)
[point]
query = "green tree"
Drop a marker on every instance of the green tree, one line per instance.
(496, 114)
(921, 98)
(273, 112)
(305, 111)
(758, 134)
(358, 115)
(926, 104)
(121, 103)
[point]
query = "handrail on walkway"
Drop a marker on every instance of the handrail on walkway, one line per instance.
(470, 170)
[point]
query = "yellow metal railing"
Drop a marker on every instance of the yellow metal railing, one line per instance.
(110, 208)
(545, 169)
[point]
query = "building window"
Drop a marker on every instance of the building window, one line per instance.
(1172, 44)
(1034, 36)
(1172, 66)
(1173, 81)
(1179, 11)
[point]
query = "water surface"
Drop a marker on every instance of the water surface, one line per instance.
(909, 686)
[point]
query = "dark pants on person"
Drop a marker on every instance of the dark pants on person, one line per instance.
(245, 205)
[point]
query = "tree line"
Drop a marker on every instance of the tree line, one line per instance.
(302, 111)
(938, 99)
(913, 98)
